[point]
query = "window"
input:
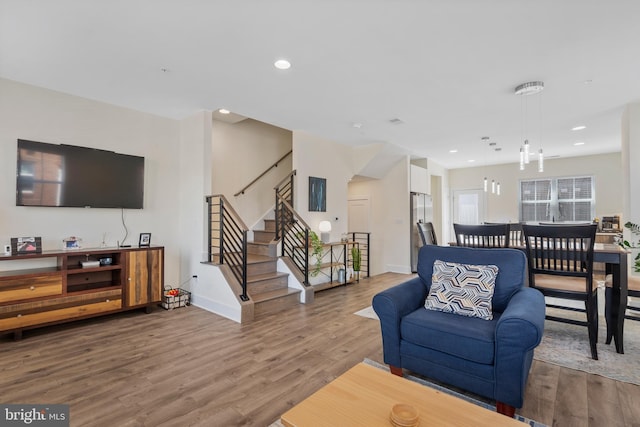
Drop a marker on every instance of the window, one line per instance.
(557, 199)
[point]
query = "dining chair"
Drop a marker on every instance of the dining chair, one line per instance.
(561, 266)
(516, 237)
(482, 236)
(633, 290)
(427, 233)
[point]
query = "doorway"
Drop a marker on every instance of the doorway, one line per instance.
(468, 207)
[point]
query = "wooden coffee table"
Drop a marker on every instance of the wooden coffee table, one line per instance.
(364, 396)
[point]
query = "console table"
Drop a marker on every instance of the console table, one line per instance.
(336, 255)
(53, 287)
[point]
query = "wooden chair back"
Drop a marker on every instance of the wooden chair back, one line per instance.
(482, 236)
(560, 251)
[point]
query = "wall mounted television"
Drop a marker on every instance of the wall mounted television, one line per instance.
(70, 176)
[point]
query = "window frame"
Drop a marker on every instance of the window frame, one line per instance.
(554, 200)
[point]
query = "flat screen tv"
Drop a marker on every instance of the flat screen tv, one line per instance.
(71, 176)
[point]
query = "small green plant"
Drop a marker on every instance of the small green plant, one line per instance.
(635, 231)
(356, 256)
(316, 246)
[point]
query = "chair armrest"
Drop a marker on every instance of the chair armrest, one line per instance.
(526, 309)
(391, 306)
(518, 332)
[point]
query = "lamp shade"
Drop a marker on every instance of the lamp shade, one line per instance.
(324, 226)
(325, 231)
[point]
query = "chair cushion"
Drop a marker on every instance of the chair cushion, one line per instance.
(468, 338)
(563, 283)
(633, 283)
(463, 289)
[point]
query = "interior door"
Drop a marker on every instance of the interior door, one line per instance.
(468, 207)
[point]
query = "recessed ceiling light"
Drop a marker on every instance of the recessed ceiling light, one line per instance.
(578, 143)
(579, 127)
(223, 111)
(453, 151)
(282, 64)
(471, 161)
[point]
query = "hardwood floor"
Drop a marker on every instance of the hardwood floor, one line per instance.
(189, 367)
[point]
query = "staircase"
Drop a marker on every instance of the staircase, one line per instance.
(267, 287)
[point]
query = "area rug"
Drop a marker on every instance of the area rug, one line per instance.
(567, 345)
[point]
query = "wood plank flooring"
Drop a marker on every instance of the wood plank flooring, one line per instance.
(189, 367)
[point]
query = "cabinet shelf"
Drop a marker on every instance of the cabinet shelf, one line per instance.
(80, 270)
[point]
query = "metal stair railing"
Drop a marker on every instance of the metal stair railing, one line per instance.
(275, 165)
(294, 236)
(227, 239)
(363, 239)
(284, 191)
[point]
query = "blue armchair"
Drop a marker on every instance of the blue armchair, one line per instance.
(490, 358)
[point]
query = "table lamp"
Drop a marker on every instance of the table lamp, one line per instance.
(325, 231)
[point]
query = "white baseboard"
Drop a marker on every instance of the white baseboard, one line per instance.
(232, 313)
(404, 269)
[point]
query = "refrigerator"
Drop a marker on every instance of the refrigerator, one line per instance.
(421, 206)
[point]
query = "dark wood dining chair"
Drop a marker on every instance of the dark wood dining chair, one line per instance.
(516, 236)
(633, 290)
(482, 236)
(561, 266)
(427, 233)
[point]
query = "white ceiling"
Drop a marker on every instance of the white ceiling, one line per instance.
(446, 68)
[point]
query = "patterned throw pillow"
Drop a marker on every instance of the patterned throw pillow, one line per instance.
(462, 289)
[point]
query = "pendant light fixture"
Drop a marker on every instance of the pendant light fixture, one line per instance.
(525, 90)
(495, 186)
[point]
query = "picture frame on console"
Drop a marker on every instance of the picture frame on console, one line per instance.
(26, 245)
(145, 239)
(71, 243)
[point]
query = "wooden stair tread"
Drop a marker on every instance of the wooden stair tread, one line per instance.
(259, 243)
(254, 258)
(266, 276)
(278, 293)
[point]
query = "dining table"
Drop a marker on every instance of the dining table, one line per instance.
(614, 257)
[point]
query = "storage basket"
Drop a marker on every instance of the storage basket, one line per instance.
(182, 299)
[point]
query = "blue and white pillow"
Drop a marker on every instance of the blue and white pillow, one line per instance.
(463, 289)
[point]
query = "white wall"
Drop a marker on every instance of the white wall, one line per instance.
(389, 217)
(631, 159)
(29, 112)
(321, 158)
(606, 168)
(241, 151)
(631, 162)
(209, 290)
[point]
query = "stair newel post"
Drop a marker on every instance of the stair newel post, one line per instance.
(277, 215)
(221, 260)
(291, 191)
(209, 233)
(306, 256)
(244, 296)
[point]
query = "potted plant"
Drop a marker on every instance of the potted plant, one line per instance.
(356, 257)
(316, 246)
(635, 230)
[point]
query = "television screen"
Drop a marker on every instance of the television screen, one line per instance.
(71, 176)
